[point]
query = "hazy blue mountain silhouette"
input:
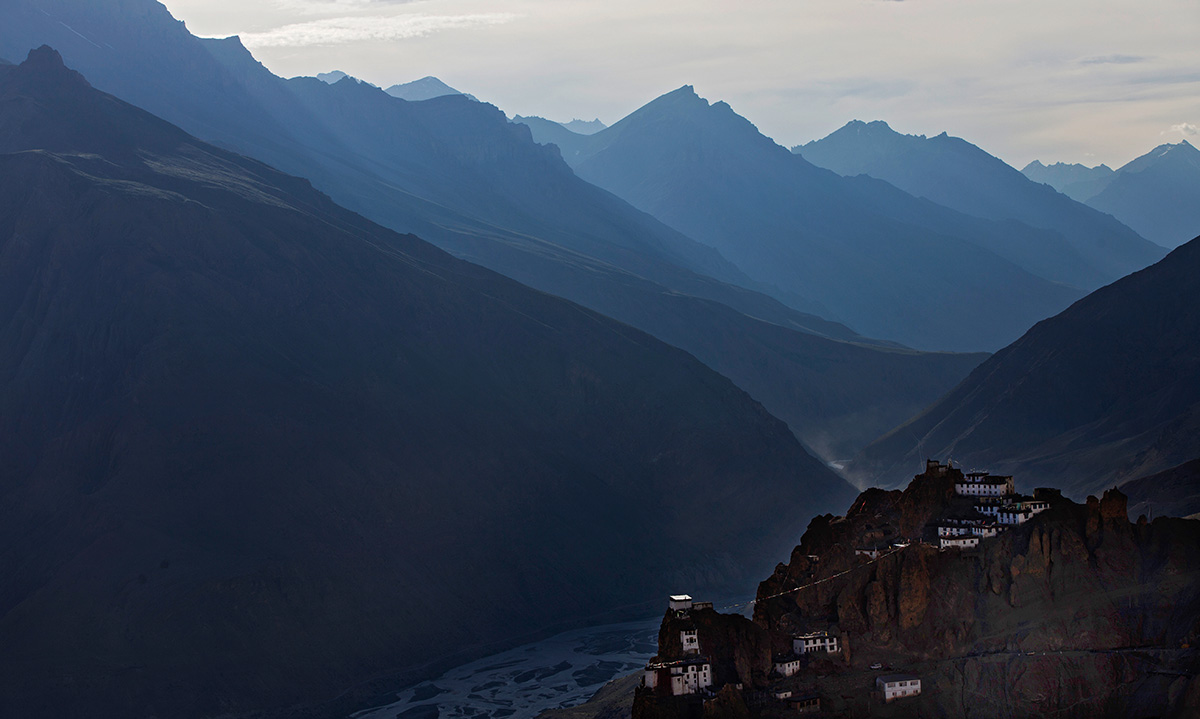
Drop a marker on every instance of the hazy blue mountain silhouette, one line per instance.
(332, 77)
(459, 174)
(584, 127)
(426, 88)
(1107, 391)
(1085, 248)
(888, 264)
(549, 132)
(259, 449)
(1079, 182)
(1157, 194)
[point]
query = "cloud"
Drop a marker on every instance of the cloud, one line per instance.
(1184, 128)
(1113, 60)
(343, 30)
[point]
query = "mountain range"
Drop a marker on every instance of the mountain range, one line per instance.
(1082, 247)
(1106, 392)
(458, 174)
(1157, 194)
(886, 263)
(1079, 182)
(259, 450)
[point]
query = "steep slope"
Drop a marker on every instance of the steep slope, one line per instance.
(1107, 391)
(459, 174)
(1158, 194)
(1079, 182)
(1171, 493)
(1085, 249)
(886, 263)
(426, 88)
(259, 450)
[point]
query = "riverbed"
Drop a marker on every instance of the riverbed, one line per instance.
(561, 671)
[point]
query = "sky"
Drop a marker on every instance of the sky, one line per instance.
(1086, 81)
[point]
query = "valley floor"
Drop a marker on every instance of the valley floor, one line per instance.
(562, 671)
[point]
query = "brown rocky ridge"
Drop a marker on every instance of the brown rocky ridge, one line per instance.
(1075, 612)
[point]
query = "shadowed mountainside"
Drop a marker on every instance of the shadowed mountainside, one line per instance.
(1171, 493)
(457, 173)
(260, 451)
(1083, 247)
(1105, 392)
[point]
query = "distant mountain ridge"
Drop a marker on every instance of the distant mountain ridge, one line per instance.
(1079, 182)
(1105, 392)
(1086, 249)
(331, 77)
(1157, 194)
(260, 451)
(886, 263)
(426, 88)
(584, 127)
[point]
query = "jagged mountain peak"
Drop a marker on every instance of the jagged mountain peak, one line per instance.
(47, 64)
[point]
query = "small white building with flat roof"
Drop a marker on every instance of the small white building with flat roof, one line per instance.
(898, 686)
(958, 542)
(815, 642)
(679, 602)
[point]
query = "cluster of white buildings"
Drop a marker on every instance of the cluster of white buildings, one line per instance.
(788, 664)
(997, 505)
(691, 675)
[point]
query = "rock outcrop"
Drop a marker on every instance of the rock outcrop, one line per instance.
(1078, 612)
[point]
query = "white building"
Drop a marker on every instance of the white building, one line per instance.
(679, 602)
(954, 530)
(690, 676)
(958, 542)
(690, 641)
(982, 484)
(981, 527)
(815, 642)
(787, 665)
(872, 552)
(898, 686)
(1013, 514)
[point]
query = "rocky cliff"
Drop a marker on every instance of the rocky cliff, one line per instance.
(1078, 612)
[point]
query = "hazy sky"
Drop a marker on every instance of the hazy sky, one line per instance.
(1075, 80)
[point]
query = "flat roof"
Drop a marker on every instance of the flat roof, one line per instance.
(889, 678)
(680, 597)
